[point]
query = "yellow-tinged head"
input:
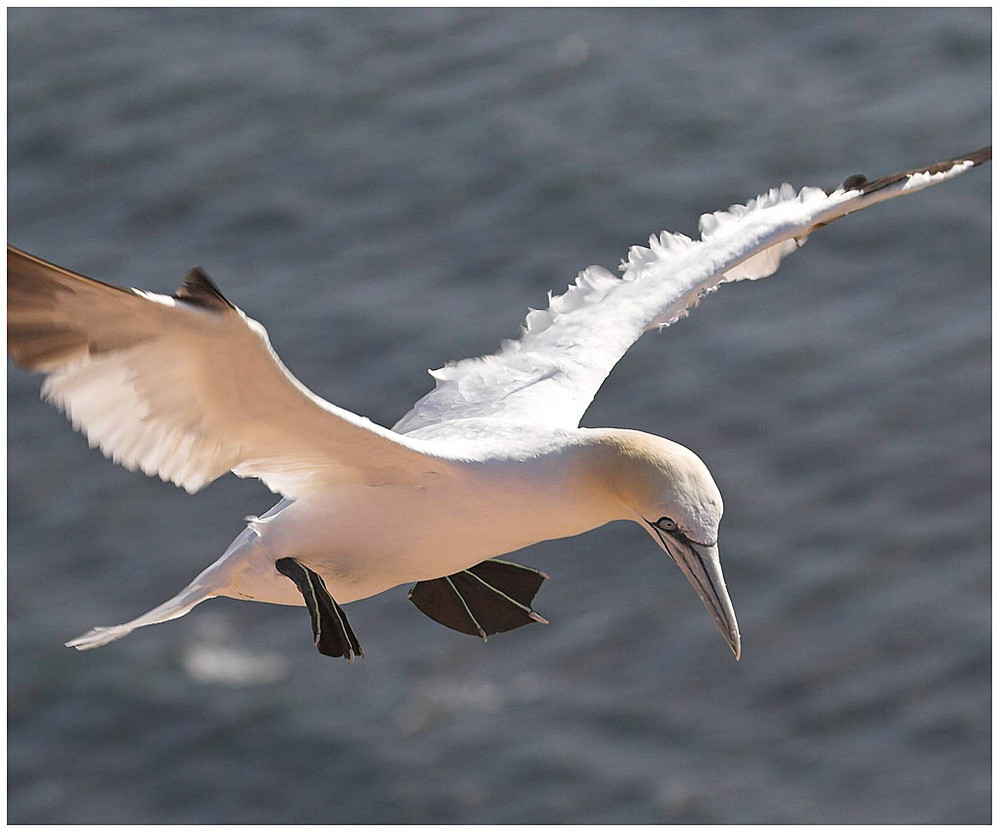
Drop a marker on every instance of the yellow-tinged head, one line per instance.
(668, 490)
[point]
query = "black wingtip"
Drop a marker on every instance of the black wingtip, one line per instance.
(853, 183)
(976, 157)
(199, 289)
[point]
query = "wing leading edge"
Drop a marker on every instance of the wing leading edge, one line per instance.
(551, 374)
(186, 387)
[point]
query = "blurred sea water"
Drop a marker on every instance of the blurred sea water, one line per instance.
(387, 190)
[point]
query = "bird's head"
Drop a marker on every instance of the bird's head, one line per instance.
(669, 491)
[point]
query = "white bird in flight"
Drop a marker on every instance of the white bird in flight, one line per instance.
(187, 387)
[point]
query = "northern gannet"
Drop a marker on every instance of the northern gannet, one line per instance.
(491, 460)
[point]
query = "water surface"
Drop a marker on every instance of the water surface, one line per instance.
(389, 190)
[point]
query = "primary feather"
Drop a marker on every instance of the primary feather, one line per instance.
(551, 374)
(185, 387)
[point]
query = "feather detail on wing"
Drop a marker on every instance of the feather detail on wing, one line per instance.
(186, 387)
(551, 374)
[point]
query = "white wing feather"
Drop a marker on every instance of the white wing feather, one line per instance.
(551, 374)
(186, 387)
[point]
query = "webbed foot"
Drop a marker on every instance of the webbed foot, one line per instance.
(491, 597)
(332, 633)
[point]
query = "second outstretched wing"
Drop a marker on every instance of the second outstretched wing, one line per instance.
(551, 374)
(186, 387)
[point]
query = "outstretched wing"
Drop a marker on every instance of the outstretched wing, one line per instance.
(186, 387)
(552, 373)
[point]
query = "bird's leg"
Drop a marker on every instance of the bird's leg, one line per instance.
(332, 632)
(491, 597)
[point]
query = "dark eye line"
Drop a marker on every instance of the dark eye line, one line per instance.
(675, 529)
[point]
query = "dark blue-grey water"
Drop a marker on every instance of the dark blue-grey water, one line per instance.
(387, 190)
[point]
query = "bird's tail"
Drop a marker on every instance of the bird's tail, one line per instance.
(197, 591)
(215, 580)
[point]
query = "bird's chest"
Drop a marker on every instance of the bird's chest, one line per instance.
(366, 539)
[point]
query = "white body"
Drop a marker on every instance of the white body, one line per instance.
(187, 387)
(364, 539)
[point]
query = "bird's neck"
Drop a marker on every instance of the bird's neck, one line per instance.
(555, 493)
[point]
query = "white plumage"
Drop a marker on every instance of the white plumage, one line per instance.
(187, 387)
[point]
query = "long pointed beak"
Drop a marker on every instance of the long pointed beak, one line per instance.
(701, 566)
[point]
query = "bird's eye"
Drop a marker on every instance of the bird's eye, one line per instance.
(666, 525)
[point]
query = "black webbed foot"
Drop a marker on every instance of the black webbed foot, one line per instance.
(332, 632)
(491, 597)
